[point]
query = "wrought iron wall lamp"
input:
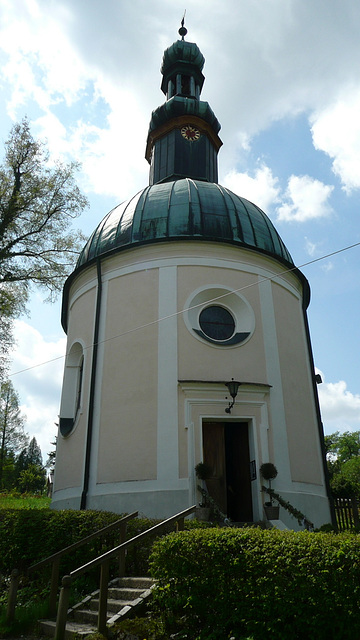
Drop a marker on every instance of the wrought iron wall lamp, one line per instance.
(233, 387)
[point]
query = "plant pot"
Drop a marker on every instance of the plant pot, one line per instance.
(272, 513)
(202, 513)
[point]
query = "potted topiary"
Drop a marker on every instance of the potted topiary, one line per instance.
(268, 471)
(203, 472)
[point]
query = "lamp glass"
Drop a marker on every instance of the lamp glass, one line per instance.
(233, 387)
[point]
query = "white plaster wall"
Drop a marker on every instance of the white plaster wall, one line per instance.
(70, 451)
(147, 427)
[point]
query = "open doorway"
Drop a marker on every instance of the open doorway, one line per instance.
(226, 451)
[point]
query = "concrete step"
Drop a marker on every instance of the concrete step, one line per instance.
(86, 616)
(122, 593)
(113, 605)
(73, 629)
(133, 582)
(126, 597)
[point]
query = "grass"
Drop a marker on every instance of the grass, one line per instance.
(26, 501)
(26, 619)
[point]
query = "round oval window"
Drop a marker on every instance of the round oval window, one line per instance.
(217, 323)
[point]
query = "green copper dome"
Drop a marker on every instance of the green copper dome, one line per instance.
(184, 209)
(179, 106)
(184, 52)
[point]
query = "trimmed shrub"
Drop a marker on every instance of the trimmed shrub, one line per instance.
(279, 585)
(28, 536)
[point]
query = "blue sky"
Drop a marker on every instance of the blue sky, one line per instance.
(283, 77)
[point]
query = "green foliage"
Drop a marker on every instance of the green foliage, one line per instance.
(269, 584)
(15, 500)
(268, 471)
(203, 471)
(33, 453)
(50, 462)
(38, 200)
(343, 460)
(26, 615)
(12, 435)
(296, 513)
(32, 479)
(343, 446)
(151, 629)
(29, 535)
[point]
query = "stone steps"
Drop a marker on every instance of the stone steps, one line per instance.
(126, 597)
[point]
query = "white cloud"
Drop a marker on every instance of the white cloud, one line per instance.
(340, 409)
(327, 266)
(311, 247)
(314, 249)
(63, 54)
(262, 189)
(113, 155)
(336, 131)
(307, 200)
(42, 63)
(40, 364)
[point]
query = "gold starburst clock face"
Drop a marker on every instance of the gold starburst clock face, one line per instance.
(190, 133)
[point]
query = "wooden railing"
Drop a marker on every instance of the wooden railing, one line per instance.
(347, 513)
(55, 558)
(103, 561)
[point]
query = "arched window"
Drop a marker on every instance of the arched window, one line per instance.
(72, 389)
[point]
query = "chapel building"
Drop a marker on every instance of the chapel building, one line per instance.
(179, 292)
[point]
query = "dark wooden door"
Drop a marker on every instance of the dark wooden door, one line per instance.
(226, 451)
(214, 456)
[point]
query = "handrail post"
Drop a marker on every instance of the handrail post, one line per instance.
(14, 583)
(122, 554)
(63, 608)
(54, 586)
(180, 524)
(104, 581)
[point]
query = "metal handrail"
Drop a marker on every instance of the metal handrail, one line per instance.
(129, 543)
(104, 561)
(55, 560)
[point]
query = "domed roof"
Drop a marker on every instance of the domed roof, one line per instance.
(182, 51)
(184, 209)
(179, 106)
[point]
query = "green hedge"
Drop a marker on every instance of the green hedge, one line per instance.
(29, 535)
(279, 585)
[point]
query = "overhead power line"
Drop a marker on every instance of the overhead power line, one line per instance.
(177, 313)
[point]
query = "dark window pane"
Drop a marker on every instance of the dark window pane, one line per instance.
(217, 323)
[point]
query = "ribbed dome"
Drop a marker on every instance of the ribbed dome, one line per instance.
(184, 210)
(182, 51)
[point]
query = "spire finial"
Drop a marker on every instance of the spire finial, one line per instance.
(183, 30)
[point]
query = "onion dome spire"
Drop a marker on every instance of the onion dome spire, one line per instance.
(183, 139)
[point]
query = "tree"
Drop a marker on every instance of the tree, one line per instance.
(32, 479)
(34, 453)
(38, 201)
(12, 435)
(343, 446)
(343, 459)
(29, 471)
(50, 462)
